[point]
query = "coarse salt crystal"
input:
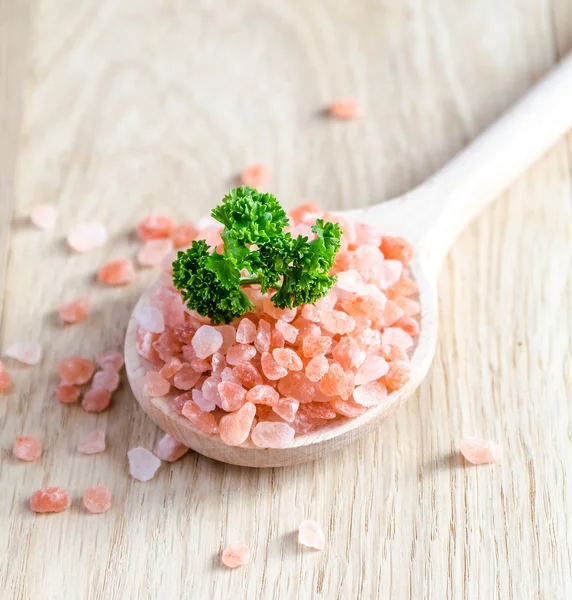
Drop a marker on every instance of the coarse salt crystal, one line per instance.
(370, 394)
(53, 499)
(246, 331)
(96, 400)
(372, 368)
(142, 464)
(345, 109)
(479, 451)
(97, 499)
(235, 555)
(75, 311)
(29, 353)
(44, 216)
(156, 385)
(169, 449)
(153, 252)
(107, 379)
(67, 394)
(255, 175)
(75, 370)
(235, 427)
(150, 318)
(117, 272)
(93, 443)
(111, 359)
(27, 447)
(205, 404)
(154, 227)
(206, 341)
(272, 435)
(310, 534)
(84, 238)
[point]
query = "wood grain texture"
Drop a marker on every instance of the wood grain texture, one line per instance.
(155, 105)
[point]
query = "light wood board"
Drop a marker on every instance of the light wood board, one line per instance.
(114, 109)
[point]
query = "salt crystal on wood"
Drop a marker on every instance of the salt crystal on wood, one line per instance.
(29, 353)
(53, 499)
(93, 443)
(84, 238)
(150, 318)
(97, 499)
(169, 449)
(272, 435)
(236, 555)
(479, 451)
(310, 534)
(142, 464)
(27, 447)
(44, 216)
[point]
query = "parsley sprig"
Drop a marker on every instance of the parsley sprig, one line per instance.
(255, 243)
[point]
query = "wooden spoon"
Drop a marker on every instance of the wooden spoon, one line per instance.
(430, 217)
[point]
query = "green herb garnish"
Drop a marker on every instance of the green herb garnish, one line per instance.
(255, 243)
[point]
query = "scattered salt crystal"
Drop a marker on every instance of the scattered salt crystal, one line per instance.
(345, 109)
(228, 375)
(262, 339)
(84, 238)
(169, 449)
(111, 359)
(334, 382)
(337, 321)
(289, 332)
(246, 331)
(314, 345)
(44, 216)
(96, 400)
(75, 370)
(142, 464)
(74, 311)
(206, 341)
(184, 234)
(97, 499)
(206, 405)
(288, 359)
(240, 353)
(154, 227)
(310, 534)
(156, 385)
(201, 420)
(263, 394)
(153, 252)
(287, 408)
(117, 272)
(150, 318)
(317, 368)
(350, 281)
(372, 368)
(235, 428)
(370, 394)
(236, 555)
(272, 435)
(174, 365)
(29, 353)
(255, 175)
(5, 379)
(232, 395)
(107, 379)
(348, 353)
(94, 443)
(271, 369)
(27, 447)
(53, 499)
(479, 451)
(67, 394)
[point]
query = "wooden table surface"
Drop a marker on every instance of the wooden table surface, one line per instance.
(112, 110)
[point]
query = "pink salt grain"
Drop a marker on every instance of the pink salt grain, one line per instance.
(263, 394)
(345, 109)
(97, 499)
(246, 331)
(314, 345)
(228, 333)
(206, 341)
(276, 340)
(348, 353)
(75, 370)
(154, 227)
(44, 216)
(52, 499)
(235, 428)
(200, 365)
(142, 464)
(255, 175)
(372, 368)
(247, 375)
(174, 365)
(398, 374)
(370, 394)
(74, 311)
(288, 359)
(235, 555)
(317, 368)
(117, 272)
(311, 313)
(262, 338)
(94, 443)
(5, 379)
(29, 353)
(150, 318)
(201, 420)
(111, 359)
(334, 382)
(84, 238)
(156, 385)
(272, 435)
(27, 447)
(185, 378)
(396, 337)
(96, 400)
(169, 449)
(271, 369)
(204, 403)
(153, 252)
(232, 395)
(287, 408)
(67, 394)
(106, 379)
(184, 234)
(289, 332)
(479, 451)
(310, 534)
(240, 353)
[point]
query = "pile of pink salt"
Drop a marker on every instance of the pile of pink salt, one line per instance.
(273, 374)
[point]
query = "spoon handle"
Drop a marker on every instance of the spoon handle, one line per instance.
(450, 199)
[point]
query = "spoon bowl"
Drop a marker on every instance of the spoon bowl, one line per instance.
(429, 217)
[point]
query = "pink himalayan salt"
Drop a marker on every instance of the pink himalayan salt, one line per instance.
(84, 238)
(174, 365)
(345, 109)
(393, 353)
(289, 332)
(206, 341)
(205, 404)
(286, 408)
(154, 227)
(179, 401)
(311, 313)
(75, 370)
(288, 359)
(409, 325)
(311, 534)
(255, 175)
(218, 363)
(368, 340)
(167, 345)
(96, 400)
(228, 333)
(52, 499)
(348, 353)
(142, 464)
(370, 261)
(211, 235)
(200, 365)
(97, 499)
(235, 555)
(350, 281)
(398, 374)
(272, 435)
(169, 449)
(304, 211)
(44, 216)
(106, 379)
(479, 451)
(263, 394)
(232, 395)
(67, 394)
(317, 410)
(189, 353)
(370, 394)
(184, 234)
(210, 390)
(117, 272)
(247, 375)
(5, 379)
(150, 318)
(297, 385)
(74, 311)
(317, 368)
(27, 447)
(271, 369)
(170, 303)
(246, 331)
(153, 252)
(326, 303)
(185, 378)
(156, 385)
(334, 382)
(391, 313)
(306, 328)
(397, 248)
(409, 307)
(303, 424)
(366, 234)
(111, 359)
(94, 443)
(240, 353)
(262, 339)
(201, 420)
(347, 408)
(396, 337)
(372, 368)
(276, 340)
(389, 273)
(235, 428)
(365, 306)
(284, 314)
(227, 375)
(29, 353)
(314, 345)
